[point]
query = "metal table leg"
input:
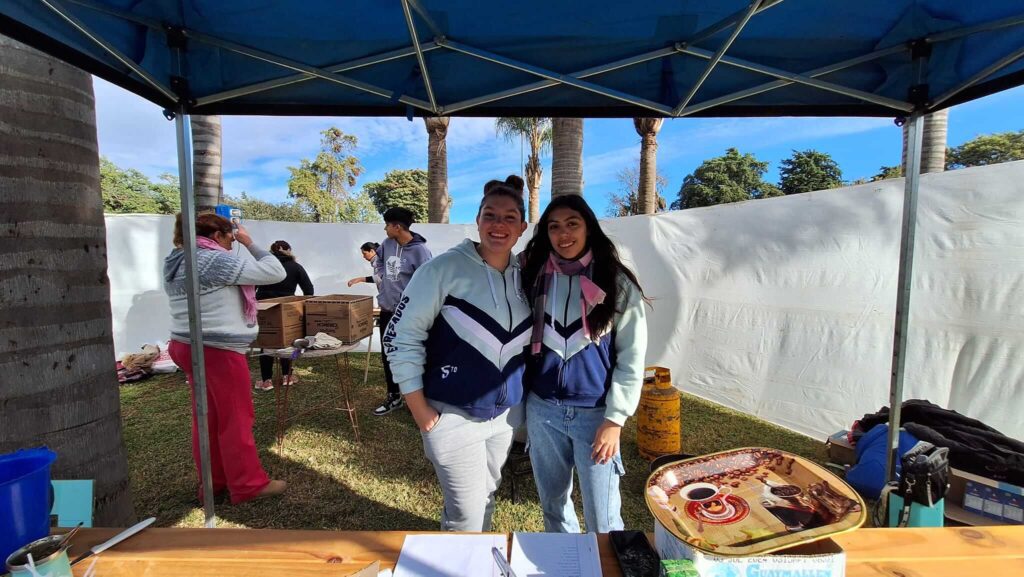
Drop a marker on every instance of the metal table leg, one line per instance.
(344, 384)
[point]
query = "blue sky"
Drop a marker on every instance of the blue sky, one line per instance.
(258, 149)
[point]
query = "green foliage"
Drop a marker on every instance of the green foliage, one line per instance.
(405, 188)
(536, 131)
(626, 202)
(127, 191)
(322, 186)
(809, 170)
(987, 149)
(887, 172)
(256, 209)
(733, 177)
(360, 208)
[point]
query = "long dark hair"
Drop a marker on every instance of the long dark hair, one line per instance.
(368, 246)
(607, 266)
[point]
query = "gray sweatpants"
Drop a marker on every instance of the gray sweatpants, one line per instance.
(467, 454)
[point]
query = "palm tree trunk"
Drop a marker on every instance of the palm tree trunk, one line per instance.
(566, 156)
(437, 169)
(647, 189)
(57, 354)
(206, 151)
(933, 142)
(534, 172)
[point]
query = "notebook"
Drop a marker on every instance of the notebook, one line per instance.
(555, 555)
(450, 555)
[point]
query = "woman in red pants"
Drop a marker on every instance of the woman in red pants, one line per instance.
(228, 311)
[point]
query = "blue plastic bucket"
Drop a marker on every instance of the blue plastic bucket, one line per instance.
(25, 498)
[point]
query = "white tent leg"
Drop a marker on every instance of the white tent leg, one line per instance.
(183, 128)
(904, 282)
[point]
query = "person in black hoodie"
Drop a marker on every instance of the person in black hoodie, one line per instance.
(296, 277)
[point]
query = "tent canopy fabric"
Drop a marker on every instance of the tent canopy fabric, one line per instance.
(599, 58)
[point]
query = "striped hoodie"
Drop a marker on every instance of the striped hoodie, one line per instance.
(460, 333)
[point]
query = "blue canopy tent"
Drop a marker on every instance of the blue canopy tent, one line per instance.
(599, 58)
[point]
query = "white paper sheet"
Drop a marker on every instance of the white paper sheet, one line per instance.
(449, 555)
(555, 555)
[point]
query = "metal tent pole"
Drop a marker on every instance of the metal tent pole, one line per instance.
(183, 128)
(904, 282)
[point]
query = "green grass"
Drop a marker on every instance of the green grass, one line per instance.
(381, 483)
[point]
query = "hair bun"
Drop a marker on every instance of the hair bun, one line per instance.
(515, 182)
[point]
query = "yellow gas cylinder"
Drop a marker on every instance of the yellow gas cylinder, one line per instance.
(658, 415)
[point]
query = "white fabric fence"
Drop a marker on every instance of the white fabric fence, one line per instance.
(779, 308)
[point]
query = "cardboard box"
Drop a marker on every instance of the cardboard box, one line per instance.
(348, 318)
(840, 450)
(976, 500)
(281, 321)
(823, 558)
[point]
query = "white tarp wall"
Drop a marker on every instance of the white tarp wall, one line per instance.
(780, 308)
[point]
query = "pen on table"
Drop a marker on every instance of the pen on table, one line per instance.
(503, 566)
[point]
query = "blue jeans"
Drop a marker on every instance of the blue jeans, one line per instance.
(560, 441)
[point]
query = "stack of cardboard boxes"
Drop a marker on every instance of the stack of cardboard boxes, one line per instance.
(348, 318)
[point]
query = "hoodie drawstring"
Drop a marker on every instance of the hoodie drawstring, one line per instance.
(490, 283)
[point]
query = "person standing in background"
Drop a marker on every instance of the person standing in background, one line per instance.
(228, 310)
(369, 251)
(296, 278)
(401, 253)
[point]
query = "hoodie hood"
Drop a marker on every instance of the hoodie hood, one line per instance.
(467, 248)
(417, 238)
(173, 263)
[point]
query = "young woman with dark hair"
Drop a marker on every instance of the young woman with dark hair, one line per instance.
(587, 351)
(296, 278)
(456, 345)
(369, 251)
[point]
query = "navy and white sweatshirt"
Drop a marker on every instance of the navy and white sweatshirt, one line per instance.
(460, 333)
(574, 370)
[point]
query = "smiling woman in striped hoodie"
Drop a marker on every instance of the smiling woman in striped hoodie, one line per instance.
(456, 346)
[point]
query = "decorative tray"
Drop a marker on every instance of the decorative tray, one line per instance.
(751, 501)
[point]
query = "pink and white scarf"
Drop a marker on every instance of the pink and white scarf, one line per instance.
(248, 290)
(593, 295)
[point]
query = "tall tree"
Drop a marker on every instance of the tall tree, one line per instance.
(809, 170)
(987, 149)
(627, 201)
(648, 194)
(257, 209)
(537, 131)
(322, 185)
(437, 169)
(59, 386)
(732, 177)
(566, 156)
(405, 188)
(933, 142)
(206, 162)
(130, 191)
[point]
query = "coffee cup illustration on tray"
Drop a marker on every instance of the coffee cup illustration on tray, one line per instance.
(712, 499)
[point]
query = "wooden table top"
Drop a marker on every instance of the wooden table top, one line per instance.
(948, 552)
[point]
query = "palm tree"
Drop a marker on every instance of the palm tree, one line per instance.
(206, 163)
(647, 191)
(567, 156)
(437, 169)
(538, 132)
(59, 385)
(933, 142)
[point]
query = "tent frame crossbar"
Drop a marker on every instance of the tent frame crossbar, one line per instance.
(63, 12)
(737, 21)
(737, 28)
(419, 55)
